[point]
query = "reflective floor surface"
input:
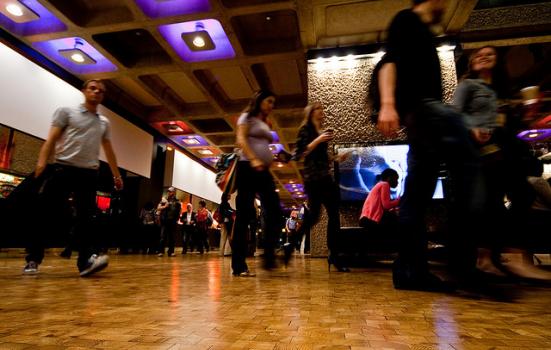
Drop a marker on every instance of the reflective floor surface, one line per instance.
(193, 302)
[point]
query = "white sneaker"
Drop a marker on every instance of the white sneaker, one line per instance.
(95, 264)
(30, 268)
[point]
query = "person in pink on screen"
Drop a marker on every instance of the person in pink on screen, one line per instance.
(379, 209)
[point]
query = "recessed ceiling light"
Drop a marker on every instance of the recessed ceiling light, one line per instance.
(205, 152)
(77, 56)
(17, 12)
(199, 41)
(190, 141)
(268, 18)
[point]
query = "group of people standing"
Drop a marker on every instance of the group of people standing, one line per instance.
(167, 220)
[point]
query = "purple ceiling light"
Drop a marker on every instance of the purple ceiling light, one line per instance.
(276, 148)
(166, 8)
(34, 18)
(535, 135)
(190, 140)
(76, 55)
(222, 46)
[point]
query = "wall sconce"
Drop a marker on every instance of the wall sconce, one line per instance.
(199, 40)
(76, 55)
(17, 11)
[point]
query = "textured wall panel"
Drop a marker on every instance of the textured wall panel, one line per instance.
(342, 88)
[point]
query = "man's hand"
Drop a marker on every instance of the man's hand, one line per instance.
(39, 169)
(118, 183)
(389, 122)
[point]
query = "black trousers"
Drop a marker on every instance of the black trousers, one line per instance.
(325, 191)
(436, 135)
(168, 236)
(58, 182)
(250, 183)
(188, 238)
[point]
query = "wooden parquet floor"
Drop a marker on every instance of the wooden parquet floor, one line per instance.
(193, 302)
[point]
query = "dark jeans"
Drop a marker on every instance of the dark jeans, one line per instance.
(59, 181)
(168, 236)
(436, 134)
(249, 183)
(325, 191)
(201, 238)
(188, 236)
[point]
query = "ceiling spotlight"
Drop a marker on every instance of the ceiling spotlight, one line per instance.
(191, 141)
(17, 11)
(268, 18)
(198, 40)
(169, 148)
(76, 54)
(205, 152)
(14, 10)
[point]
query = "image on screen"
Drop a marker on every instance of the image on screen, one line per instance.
(358, 174)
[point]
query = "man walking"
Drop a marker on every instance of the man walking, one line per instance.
(410, 89)
(74, 140)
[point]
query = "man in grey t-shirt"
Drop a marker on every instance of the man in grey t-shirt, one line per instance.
(68, 162)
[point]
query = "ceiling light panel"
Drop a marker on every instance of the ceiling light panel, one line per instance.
(28, 17)
(166, 8)
(222, 46)
(64, 52)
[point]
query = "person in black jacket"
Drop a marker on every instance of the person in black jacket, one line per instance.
(312, 144)
(189, 223)
(226, 222)
(410, 89)
(170, 213)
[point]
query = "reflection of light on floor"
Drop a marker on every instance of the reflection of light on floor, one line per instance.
(445, 326)
(214, 279)
(175, 284)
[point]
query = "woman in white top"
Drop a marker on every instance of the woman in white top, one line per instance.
(253, 177)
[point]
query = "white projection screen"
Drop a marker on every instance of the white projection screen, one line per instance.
(31, 94)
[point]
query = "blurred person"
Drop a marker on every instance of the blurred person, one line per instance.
(476, 97)
(312, 144)
(291, 226)
(254, 177)
(410, 90)
(189, 226)
(304, 227)
(169, 210)
(226, 223)
(203, 223)
(148, 227)
(68, 162)
(379, 209)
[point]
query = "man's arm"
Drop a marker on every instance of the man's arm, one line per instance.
(112, 161)
(389, 121)
(46, 149)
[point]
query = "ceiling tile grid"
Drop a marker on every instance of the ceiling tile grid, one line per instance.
(188, 68)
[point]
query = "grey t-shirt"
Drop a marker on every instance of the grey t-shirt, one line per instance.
(259, 138)
(477, 102)
(83, 133)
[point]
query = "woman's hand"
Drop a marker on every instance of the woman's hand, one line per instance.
(325, 137)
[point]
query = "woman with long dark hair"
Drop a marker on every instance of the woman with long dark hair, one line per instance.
(254, 177)
(312, 144)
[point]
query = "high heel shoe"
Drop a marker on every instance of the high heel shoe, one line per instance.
(332, 260)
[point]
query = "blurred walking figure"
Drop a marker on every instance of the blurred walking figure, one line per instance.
(149, 228)
(312, 144)
(226, 223)
(254, 177)
(169, 210)
(74, 141)
(410, 90)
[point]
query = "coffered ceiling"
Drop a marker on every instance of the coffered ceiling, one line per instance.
(145, 51)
